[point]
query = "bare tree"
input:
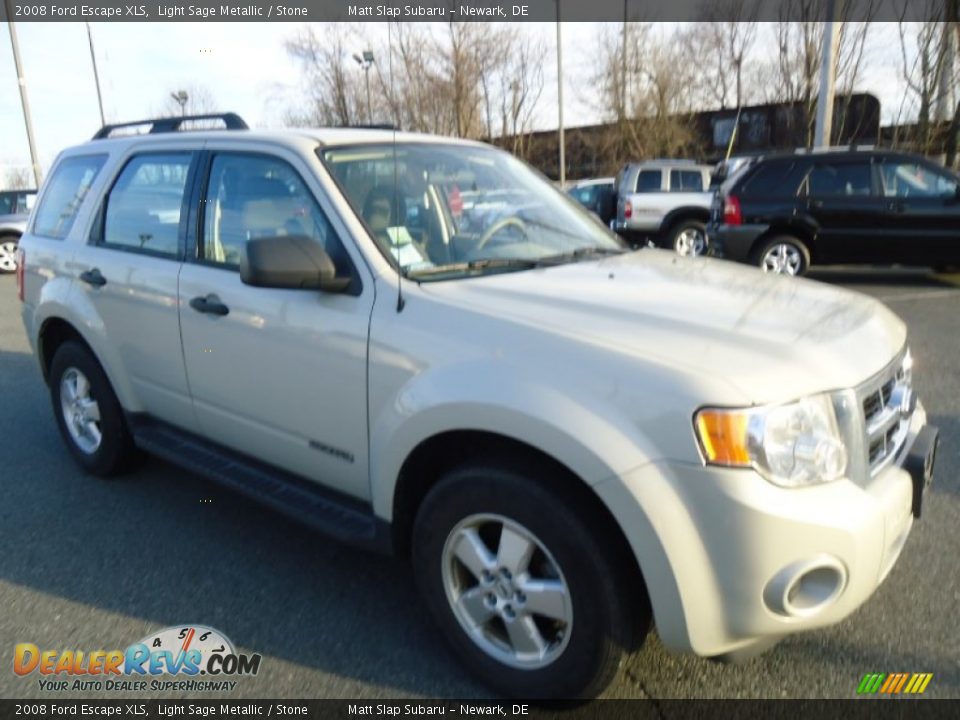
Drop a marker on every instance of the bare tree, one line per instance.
(197, 100)
(19, 178)
(923, 62)
(724, 39)
(333, 94)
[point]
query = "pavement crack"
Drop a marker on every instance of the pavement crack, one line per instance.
(635, 679)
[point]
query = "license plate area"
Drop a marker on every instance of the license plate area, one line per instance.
(920, 463)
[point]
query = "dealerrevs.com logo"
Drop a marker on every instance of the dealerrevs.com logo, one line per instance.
(199, 658)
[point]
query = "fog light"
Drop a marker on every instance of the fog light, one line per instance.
(806, 588)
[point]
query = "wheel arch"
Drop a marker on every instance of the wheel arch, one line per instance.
(682, 214)
(432, 458)
(801, 231)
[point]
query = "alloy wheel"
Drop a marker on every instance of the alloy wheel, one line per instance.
(8, 256)
(81, 413)
(691, 242)
(783, 259)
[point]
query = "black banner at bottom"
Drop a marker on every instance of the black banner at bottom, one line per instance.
(872, 709)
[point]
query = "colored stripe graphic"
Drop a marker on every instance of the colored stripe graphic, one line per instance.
(894, 683)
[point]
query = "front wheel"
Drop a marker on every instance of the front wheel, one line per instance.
(531, 599)
(783, 255)
(8, 254)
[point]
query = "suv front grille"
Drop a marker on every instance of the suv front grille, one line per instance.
(887, 403)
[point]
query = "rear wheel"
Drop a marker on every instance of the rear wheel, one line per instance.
(529, 596)
(88, 413)
(8, 254)
(689, 238)
(783, 255)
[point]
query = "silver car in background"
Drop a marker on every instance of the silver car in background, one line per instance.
(15, 207)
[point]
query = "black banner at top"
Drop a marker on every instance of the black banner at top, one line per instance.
(465, 10)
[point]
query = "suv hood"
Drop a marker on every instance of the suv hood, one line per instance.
(774, 338)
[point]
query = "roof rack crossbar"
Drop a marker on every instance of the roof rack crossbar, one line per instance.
(232, 121)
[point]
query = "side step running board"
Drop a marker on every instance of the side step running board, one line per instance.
(344, 519)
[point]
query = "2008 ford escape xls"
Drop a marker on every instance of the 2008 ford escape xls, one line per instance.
(417, 344)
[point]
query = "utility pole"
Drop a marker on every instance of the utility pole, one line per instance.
(96, 76)
(623, 63)
(828, 74)
(563, 162)
(37, 176)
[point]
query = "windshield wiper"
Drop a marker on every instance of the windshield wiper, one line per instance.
(579, 254)
(475, 266)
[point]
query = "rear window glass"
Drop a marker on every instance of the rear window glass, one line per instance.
(840, 179)
(777, 177)
(64, 195)
(648, 180)
(686, 181)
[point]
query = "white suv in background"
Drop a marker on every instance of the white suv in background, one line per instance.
(415, 344)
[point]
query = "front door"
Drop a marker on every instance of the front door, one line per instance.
(280, 375)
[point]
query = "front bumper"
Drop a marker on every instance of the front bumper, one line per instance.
(732, 561)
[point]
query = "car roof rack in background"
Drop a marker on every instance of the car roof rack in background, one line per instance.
(835, 149)
(232, 121)
(372, 126)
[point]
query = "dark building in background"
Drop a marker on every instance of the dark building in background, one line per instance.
(600, 150)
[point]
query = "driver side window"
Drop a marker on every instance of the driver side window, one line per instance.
(255, 196)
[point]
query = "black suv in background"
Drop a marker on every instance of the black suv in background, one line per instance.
(783, 213)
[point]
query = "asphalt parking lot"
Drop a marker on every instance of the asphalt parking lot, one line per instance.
(91, 564)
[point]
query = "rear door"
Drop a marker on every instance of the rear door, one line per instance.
(842, 199)
(129, 271)
(276, 374)
(922, 211)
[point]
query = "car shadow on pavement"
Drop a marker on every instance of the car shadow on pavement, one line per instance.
(899, 277)
(167, 547)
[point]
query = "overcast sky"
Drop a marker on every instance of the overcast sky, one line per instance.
(247, 70)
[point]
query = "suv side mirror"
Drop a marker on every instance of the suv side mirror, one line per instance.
(290, 261)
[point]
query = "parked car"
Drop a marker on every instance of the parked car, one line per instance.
(15, 206)
(665, 201)
(597, 195)
(787, 212)
(563, 436)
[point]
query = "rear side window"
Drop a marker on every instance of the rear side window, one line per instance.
(686, 181)
(143, 208)
(775, 177)
(66, 189)
(846, 179)
(649, 181)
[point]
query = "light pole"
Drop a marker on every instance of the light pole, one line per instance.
(181, 98)
(562, 159)
(15, 46)
(828, 74)
(365, 61)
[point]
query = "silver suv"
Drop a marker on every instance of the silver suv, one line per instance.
(415, 344)
(666, 202)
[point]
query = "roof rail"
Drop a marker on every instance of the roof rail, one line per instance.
(232, 121)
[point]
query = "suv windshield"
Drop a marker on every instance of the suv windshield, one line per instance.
(451, 210)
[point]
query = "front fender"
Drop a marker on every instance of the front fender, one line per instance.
(589, 436)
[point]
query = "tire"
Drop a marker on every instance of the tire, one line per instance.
(8, 253)
(783, 255)
(689, 238)
(102, 447)
(605, 612)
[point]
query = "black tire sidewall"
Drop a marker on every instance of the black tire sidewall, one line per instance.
(602, 624)
(116, 446)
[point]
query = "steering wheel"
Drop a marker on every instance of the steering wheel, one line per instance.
(500, 225)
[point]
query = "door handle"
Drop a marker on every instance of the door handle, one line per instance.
(895, 206)
(210, 305)
(816, 203)
(93, 277)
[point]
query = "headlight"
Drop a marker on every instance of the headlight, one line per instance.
(791, 445)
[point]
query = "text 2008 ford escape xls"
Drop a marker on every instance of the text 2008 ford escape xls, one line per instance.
(417, 344)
